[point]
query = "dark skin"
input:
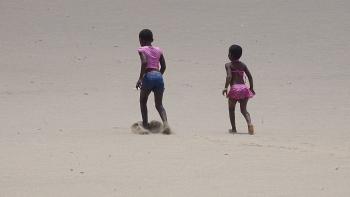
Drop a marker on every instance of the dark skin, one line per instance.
(232, 79)
(158, 95)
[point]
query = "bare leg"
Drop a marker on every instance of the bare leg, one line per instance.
(158, 99)
(231, 109)
(245, 113)
(143, 105)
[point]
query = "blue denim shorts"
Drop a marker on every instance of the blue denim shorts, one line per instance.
(153, 81)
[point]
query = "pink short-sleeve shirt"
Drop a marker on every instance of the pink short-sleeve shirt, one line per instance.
(152, 54)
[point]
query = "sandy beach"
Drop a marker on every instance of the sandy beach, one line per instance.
(67, 94)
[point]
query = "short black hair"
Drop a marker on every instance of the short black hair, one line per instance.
(235, 52)
(146, 35)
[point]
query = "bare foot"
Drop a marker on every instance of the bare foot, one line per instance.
(233, 131)
(166, 129)
(251, 129)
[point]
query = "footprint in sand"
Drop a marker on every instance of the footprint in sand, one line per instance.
(154, 127)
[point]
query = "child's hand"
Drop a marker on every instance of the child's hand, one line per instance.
(138, 84)
(224, 92)
(251, 89)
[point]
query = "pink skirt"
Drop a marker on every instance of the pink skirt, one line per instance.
(240, 91)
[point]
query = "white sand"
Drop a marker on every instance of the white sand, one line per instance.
(68, 69)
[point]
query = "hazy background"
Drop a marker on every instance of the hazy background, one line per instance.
(68, 71)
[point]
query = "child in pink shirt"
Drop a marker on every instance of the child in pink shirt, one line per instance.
(151, 78)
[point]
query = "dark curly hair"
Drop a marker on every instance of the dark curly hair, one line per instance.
(235, 52)
(146, 35)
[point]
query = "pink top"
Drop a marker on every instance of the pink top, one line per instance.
(152, 54)
(239, 72)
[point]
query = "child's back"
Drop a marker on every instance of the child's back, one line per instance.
(237, 71)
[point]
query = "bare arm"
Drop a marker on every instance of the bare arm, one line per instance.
(142, 70)
(250, 78)
(162, 64)
(228, 78)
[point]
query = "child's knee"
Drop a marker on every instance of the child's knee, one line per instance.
(244, 111)
(159, 107)
(231, 106)
(143, 101)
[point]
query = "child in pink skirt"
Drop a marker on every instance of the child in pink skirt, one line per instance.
(239, 92)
